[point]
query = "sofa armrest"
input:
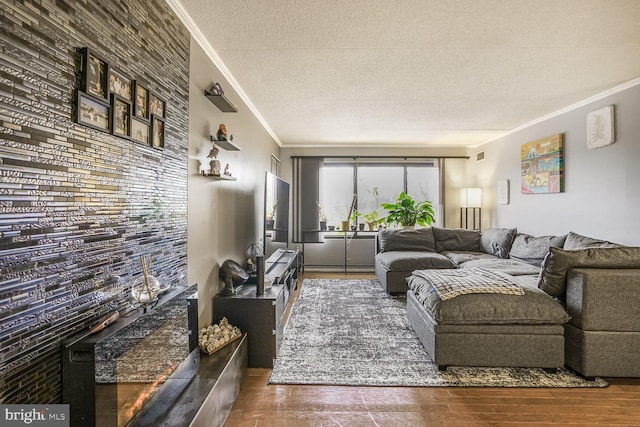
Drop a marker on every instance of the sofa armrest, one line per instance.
(601, 299)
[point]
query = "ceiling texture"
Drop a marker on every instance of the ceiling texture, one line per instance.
(414, 73)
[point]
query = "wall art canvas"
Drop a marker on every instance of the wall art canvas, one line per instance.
(541, 166)
(503, 192)
(601, 127)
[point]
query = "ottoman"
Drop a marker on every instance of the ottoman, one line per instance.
(488, 329)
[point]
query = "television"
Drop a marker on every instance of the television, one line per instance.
(276, 214)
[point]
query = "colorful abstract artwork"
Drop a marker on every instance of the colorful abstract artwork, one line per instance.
(541, 166)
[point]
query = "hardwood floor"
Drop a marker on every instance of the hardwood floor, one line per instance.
(260, 404)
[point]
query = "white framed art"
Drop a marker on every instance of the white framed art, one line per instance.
(503, 192)
(601, 127)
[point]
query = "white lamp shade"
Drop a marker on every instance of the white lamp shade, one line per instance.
(471, 197)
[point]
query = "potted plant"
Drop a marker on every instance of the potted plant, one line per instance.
(354, 218)
(270, 217)
(406, 212)
(371, 218)
(322, 216)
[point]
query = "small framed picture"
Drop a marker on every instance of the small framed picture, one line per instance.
(140, 131)
(95, 72)
(141, 104)
(157, 132)
(157, 106)
(92, 113)
(120, 116)
(119, 84)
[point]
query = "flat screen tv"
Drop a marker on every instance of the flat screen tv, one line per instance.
(276, 214)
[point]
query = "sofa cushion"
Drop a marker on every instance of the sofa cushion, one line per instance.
(459, 257)
(497, 241)
(412, 260)
(558, 262)
(398, 239)
(509, 266)
(456, 239)
(532, 250)
(534, 307)
(578, 241)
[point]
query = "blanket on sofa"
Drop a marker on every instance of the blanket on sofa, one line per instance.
(451, 283)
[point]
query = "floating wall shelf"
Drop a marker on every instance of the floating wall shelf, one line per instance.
(224, 144)
(222, 103)
(221, 177)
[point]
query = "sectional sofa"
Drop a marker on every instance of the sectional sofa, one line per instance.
(579, 302)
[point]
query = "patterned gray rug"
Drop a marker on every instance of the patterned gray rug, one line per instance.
(350, 332)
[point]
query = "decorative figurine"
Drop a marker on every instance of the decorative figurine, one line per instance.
(222, 133)
(216, 89)
(226, 170)
(214, 164)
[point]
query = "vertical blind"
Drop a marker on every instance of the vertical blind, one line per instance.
(306, 194)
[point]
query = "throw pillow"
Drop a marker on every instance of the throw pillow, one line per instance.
(497, 241)
(532, 250)
(578, 241)
(398, 239)
(456, 239)
(558, 262)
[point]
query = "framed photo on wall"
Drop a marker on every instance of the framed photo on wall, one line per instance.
(95, 72)
(157, 132)
(120, 116)
(92, 113)
(141, 104)
(157, 106)
(140, 131)
(119, 84)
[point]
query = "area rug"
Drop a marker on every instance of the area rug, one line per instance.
(350, 332)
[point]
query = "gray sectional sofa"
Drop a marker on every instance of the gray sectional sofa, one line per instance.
(580, 304)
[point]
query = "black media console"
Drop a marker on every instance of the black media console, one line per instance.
(260, 316)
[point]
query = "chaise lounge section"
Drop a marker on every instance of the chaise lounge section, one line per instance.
(581, 302)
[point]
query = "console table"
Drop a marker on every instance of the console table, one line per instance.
(260, 316)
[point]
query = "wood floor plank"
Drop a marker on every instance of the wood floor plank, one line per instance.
(262, 405)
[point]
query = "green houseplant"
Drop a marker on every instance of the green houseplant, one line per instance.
(406, 212)
(371, 218)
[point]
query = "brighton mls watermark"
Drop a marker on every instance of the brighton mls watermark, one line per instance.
(34, 415)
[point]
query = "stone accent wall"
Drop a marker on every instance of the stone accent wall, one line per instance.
(78, 206)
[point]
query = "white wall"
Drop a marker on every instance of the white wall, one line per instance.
(601, 197)
(224, 217)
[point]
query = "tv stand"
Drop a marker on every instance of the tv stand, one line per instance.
(284, 264)
(260, 316)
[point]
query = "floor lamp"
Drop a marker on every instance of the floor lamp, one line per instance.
(470, 199)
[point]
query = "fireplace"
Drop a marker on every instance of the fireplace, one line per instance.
(110, 377)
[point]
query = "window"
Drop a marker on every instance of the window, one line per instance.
(340, 180)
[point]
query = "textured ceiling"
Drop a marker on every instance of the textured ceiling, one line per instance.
(417, 72)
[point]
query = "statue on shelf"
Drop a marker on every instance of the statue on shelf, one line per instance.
(226, 170)
(214, 164)
(222, 133)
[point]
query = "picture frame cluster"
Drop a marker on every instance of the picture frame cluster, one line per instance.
(110, 101)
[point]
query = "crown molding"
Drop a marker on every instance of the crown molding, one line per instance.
(197, 35)
(601, 95)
